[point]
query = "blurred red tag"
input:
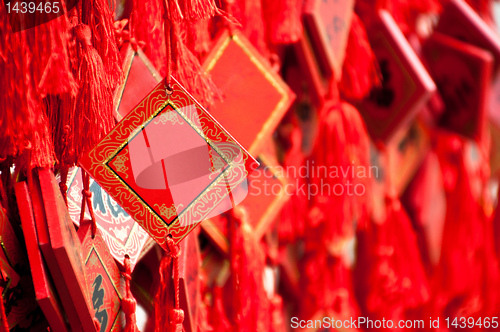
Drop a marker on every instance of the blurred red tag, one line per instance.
(120, 232)
(140, 78)
(66, 248)
(169, 164)
(463, 74)
(255, 98)
(44, 290)
(460, 21)
(103, 279)
(406, 86)
(189, 270)
(329, 22)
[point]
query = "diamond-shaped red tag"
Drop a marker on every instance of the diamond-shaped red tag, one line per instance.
(169, 164)
(120, 232)
(329, 22)
(255, 98)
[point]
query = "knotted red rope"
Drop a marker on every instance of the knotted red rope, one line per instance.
(129, 303)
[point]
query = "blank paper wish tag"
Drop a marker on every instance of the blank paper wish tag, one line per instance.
(255, 97)
(120, 232)
(169, 164)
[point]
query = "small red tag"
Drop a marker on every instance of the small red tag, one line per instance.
(169, 164)
(66, 248)
(103, 278)
(49, 256)
(255, 98)
(406, 86)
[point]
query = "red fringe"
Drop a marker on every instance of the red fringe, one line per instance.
(23, 124)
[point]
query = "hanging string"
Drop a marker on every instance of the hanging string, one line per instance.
(168, 42)
(128, 303)
(86, 201)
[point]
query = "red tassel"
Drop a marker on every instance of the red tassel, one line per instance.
(194, 79)
(283, 20)
(168, 315)
(360, 68)
(100, 18)
(128, 303)
(182, 63)
(51, 70)
(93, 108)
(250, 305)
(294, 212)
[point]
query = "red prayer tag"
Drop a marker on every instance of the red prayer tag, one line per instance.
(120, 232)
(255, 98)
(103, 278)
(18, 294)
(44, 289)
(48, 254)
(462, 73)
(169, 164)
(140, 78)
(329, 22)
(66, 248)
(406, 86)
